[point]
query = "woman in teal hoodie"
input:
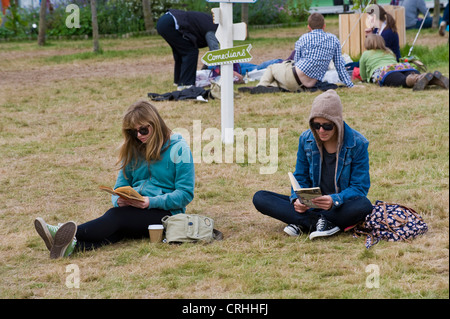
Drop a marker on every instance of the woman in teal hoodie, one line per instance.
(157, 163)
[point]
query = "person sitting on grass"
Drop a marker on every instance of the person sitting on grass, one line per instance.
(412, 10)
(334, 157)
(379, 65)
(445, 21)
(313, 53)
(384, 24)
(155, 162)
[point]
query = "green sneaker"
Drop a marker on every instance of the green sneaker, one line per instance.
(64, 241)
(46, 231)
(70, 248)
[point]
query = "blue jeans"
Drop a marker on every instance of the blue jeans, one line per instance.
(279, 207)
(426, 25)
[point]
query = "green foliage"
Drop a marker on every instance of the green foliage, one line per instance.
(431, 57)
(361, 4)
(265, 12)
(15, 24)
(125, 16)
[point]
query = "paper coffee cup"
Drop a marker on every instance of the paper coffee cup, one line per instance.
(156, 233)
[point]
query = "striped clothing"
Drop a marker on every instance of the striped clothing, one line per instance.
(313, 53)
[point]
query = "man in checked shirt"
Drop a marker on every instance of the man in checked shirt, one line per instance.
(313, 52)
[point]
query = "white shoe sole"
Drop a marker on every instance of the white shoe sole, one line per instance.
(288, 231)
(41, 228)
(330, 232)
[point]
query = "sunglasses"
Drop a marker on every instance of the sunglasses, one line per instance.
(325, 126)
(143, 130)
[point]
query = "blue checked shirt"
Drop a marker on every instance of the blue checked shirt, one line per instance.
(314, 51)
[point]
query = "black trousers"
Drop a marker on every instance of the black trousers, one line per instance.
(116, 224)
(397, 79)
(185, 53)
(279, 207)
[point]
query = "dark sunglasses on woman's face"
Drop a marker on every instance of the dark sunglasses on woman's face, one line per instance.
(143, 130)
(325, 126)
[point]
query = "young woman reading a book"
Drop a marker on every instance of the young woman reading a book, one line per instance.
(157, 164)
(334, 157)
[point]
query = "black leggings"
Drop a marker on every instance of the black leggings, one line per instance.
(397, 79)
(116, 224)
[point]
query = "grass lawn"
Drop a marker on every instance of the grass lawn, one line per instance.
(61, 110)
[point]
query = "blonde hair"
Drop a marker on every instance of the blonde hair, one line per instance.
(142, 113)
(376, 42)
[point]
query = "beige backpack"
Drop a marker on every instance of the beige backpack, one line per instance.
(190, 228)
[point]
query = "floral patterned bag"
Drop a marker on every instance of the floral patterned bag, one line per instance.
(391, 222)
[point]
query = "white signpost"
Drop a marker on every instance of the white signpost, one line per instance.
(225, 34)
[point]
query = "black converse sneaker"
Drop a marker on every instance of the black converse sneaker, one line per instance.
(292, 230)
(324, 228)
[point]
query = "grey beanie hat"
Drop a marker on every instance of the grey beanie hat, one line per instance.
(328, 105)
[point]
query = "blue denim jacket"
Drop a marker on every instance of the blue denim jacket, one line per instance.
(352, 174)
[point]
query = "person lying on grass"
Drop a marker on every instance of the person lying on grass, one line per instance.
(379, 65)
(154, 161)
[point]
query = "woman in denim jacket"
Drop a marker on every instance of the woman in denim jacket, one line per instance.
(334, 157)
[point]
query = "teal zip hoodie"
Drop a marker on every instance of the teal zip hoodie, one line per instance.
(169, 182)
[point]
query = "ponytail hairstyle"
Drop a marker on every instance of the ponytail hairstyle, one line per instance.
(142, 113)
(383, 16)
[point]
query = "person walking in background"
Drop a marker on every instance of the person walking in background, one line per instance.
(154, 161)
(333, 156)
(186, 32)
(379, 65)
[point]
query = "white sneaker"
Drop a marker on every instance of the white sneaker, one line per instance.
(292, 230)
(182, 87)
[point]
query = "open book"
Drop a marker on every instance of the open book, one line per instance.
(305, 194)
(125, 192)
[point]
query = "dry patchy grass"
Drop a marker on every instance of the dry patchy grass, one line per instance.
(59, 133)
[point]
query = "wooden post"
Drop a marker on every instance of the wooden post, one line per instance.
(95, 26)
(42, 26)
(355, 36)
(344, 30)
(227, 31)
(226, 76)
(363, 28)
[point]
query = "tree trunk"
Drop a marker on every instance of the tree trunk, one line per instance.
(95, 26)
(244, 15)
(42, 12)
(148, 18)
(436, 14)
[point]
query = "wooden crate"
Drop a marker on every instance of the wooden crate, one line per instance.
(355, 24)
